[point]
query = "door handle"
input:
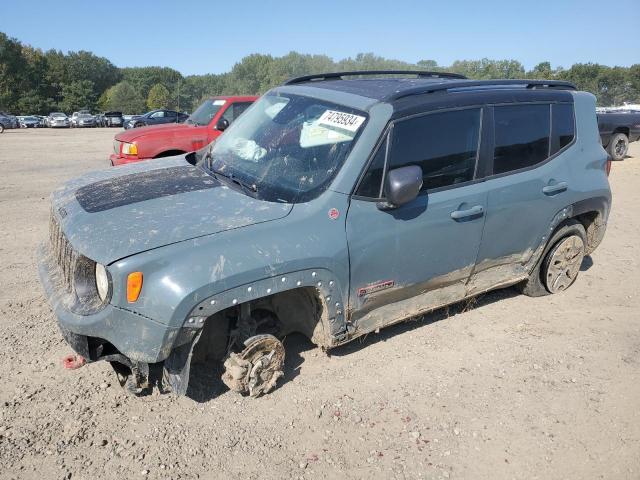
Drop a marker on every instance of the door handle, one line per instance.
(476, 211)
(555, 188)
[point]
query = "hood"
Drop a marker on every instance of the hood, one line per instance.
(112, 214)
(162, 129)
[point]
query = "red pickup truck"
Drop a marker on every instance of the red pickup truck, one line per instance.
(201, 128)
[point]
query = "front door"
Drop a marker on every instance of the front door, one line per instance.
(419, 256)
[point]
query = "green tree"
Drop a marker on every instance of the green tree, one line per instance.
(13, 68)
(78, 95)
(143, 78)
(124, 98)
(158, 97)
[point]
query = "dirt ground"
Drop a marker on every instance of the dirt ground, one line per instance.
(510, 387)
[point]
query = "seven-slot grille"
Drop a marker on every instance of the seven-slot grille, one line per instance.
(62, 252)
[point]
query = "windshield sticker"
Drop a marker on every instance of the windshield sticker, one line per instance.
(342, 120)
(313, 134)
(274, 109)
(219, 102)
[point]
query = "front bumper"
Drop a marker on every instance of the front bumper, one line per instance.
(118, 160)
(110, 331)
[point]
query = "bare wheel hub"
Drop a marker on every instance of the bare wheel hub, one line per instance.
(257, 368)
(564, 263)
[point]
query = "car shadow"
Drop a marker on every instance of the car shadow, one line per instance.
(205, 381)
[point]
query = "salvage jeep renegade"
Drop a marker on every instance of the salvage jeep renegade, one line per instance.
(336, 205)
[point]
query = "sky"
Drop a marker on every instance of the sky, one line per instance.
(197, 37)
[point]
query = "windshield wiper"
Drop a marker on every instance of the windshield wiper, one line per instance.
(231, 177)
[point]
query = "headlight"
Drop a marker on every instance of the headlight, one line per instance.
(129, 149)
(102, 281)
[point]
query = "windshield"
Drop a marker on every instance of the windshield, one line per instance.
(84, 115)
(286, 148)
(205, 112)
(57, 114)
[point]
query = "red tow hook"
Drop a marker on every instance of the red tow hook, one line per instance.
(72, 362)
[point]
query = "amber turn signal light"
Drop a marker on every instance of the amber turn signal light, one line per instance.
(134, 285)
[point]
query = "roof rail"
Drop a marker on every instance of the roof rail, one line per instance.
(436, 87)
(338, 75)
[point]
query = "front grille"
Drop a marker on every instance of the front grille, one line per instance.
(63, 254)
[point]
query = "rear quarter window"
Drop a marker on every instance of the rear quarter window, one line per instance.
(562, 126)
(522, 135)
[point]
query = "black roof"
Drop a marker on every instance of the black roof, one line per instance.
(391, 89)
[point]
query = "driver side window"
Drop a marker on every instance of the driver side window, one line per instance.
(444, 145)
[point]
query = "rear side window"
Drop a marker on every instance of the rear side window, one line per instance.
(521, 136)
(562, 126)
(444, 145)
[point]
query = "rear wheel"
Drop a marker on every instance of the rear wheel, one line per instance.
(1, 128)
(560, 263)
(618, 146)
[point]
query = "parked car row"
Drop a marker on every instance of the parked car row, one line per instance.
(85, 119)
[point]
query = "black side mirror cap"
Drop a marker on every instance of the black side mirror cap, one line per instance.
(401, 186)
(222, 124)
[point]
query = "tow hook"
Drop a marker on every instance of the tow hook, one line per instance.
(73, 361)
(257, 368)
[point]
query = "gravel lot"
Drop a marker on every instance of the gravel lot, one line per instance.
(507, 387)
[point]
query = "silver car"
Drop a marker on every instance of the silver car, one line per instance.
(58, 120)
(84, 120)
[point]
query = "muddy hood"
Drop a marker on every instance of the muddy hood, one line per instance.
(116, 213)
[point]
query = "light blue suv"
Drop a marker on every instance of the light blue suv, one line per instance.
(336, 205)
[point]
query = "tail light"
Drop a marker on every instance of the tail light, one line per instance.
(607, 167)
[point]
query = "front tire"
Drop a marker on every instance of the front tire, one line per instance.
(618, 146)
(560, 262)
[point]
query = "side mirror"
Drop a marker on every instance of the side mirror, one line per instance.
(222, 124)
(402, 185)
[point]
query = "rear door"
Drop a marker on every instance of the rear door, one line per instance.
(419, 256)
(527, 185)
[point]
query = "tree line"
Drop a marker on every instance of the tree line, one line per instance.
(33, 81)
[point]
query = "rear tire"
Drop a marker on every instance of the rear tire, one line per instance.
(618, 146)
(1, 128)
(546, 277)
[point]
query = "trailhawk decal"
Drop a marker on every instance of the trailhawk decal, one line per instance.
(376, 287)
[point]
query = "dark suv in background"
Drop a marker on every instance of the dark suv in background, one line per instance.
(156, 117)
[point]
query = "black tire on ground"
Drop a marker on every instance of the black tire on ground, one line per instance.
(137, 125)
(537, 285)
(618, 146)
(1, 128)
